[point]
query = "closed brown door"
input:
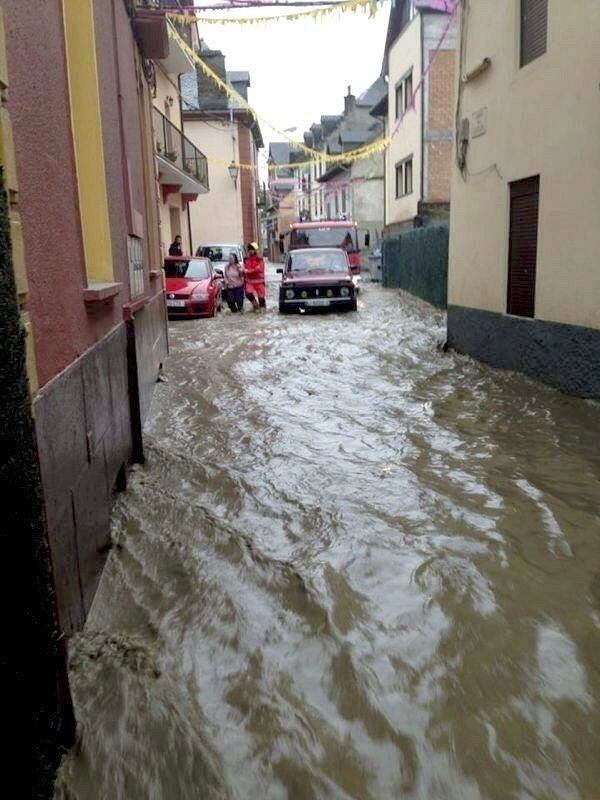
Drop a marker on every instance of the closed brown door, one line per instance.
(522, 255)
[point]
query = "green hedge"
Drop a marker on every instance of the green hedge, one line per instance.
(416, 260)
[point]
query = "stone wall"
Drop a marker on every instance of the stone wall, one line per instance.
(83, 431)
(564, 356)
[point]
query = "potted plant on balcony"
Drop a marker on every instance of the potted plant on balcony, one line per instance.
(172, 155)
(158, 147)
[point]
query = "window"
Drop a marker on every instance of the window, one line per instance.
(404, 177)
(343, 201)
(193, 269)
(337, 204)
(408, 92)
(399, 102)
(522, 251)
(303, 261)
(334, 236)
(404, 94)
(534, 29)
(408, 180)
(136, 265)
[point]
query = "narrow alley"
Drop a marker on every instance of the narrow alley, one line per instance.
(353, 566)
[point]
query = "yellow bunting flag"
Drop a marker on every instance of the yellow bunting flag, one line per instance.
(316, 13)
(317, 156)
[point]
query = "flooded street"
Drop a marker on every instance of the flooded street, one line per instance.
(353, 566)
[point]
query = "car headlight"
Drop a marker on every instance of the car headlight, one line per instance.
(344, 291)
(200, 295)
(289, 293)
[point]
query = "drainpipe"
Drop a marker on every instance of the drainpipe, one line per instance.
(189, 222)
(384, 156)
(424, 93)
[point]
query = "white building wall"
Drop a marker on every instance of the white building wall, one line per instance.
(216, 216)
(404, 55)
(542, 119)
(368, 196)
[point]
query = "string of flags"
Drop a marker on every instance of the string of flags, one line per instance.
(367, 6)
(375, 147)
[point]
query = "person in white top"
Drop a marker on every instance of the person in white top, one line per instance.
(234, 282)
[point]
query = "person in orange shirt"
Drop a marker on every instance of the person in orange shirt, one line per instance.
(255, 278)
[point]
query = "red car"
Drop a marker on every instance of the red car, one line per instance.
(193, 287)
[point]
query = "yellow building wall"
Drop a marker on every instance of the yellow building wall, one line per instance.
(542, 119)
(167, 232)
(167, 87)
(78, 16)
(216, 216)
(404, 55)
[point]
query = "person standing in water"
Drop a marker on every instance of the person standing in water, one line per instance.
(255, 278)
(175, 247)
(234, 282)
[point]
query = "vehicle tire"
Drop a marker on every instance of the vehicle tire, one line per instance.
(354, 305)
(220, 304)
(282, 308)
(214, 308)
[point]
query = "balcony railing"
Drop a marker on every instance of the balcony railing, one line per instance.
(170, 143)
(184, 31)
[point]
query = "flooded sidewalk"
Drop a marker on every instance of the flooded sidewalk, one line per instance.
(353, 566)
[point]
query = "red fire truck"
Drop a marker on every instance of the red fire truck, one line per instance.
(326, 233)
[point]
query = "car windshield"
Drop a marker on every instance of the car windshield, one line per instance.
(194, 269)
(332, 261)
(218, 252)
(325, 237)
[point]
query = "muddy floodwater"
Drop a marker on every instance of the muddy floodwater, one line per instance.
(353, 566)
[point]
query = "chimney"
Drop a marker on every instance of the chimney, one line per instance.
(210, 96)
(349, 102)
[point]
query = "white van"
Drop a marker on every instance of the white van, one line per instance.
(219, 254)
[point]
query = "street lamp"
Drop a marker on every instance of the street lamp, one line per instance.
(234, 171)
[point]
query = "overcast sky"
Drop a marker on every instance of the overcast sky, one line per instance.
(300, 70)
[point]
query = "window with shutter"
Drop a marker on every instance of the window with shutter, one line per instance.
(399, 180)
(408, 92)
(522, 254)
(399, 103)
(534, 29)
(408, 177)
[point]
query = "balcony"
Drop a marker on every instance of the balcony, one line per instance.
(181, 166)
(177, 60)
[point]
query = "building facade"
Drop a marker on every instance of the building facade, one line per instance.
(231, 138)
(419, 67)
(88, 262)
(181, 166)
(310, 193)
(281, 209)
(524, 283)
(355, 189)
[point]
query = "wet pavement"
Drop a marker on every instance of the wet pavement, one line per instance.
(352, 567)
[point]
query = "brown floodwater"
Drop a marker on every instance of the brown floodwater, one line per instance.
(353, 566)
